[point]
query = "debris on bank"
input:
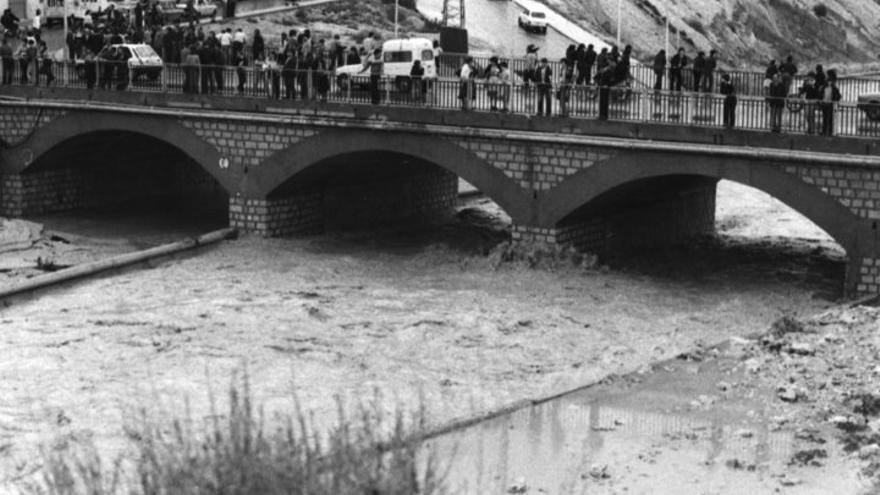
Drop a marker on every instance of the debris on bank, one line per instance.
(826, 373)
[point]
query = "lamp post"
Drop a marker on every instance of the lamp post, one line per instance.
(396, 9)
(618, 22)
(64, 15)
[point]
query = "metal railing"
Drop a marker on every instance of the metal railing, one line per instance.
(747, 83)
(620, 103)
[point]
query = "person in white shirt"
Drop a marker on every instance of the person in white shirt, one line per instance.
(37, 21)
(226, 44)
(465, 88)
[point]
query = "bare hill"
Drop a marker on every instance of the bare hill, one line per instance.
(747, 33)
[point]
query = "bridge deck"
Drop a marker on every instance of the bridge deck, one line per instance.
(700, 110)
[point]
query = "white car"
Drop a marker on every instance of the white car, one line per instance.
(534, 20)
(397, 60)
(141, 58)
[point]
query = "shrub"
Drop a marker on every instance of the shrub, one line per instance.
(371, 453)
(820, 10)
(301, 14)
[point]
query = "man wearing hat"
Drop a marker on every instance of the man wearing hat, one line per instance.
(544, 81)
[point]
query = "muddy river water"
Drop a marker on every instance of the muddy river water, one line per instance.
(422, 313)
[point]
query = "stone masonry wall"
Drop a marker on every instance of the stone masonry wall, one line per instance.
(535, 166)
(17, 123)
(668, 221)
(351, 206)
(247, 143)
(857, 189)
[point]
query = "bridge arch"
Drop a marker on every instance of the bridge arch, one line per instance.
(287, 164)
(630, 166)
(67, 128)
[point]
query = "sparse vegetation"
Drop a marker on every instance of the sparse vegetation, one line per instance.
(820, 10)
(240, 454)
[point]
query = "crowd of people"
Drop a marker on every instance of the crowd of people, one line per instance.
(299, 66)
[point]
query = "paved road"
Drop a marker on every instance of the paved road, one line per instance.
(495, 22)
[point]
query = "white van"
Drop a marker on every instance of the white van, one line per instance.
(397, 60)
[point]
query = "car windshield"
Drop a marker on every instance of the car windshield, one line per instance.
(143, 51)
(398, 56)
(539, 15)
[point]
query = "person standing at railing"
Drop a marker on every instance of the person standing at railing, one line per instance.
(225, 40)
(306, 74)
(788, 69)
(676, 65)
(6, 55)
(217, 66)
(729, 91)
(709, 71)
(492, 80)
(45, 62)
(544, 82)
(466, 74)
(289, 76)
(321, 70)
(206, 76)
(564, 92)
(659, 67)
(417, 75)
(258, 47)
(699, 69)
(90, 67)
(810, 93)
(240, 62)
(769, 74)
(191, 66)
(373, 63)
(830, 96)
(504, 85)
(776, 102)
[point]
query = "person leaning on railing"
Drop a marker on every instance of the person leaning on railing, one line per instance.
(373, 63)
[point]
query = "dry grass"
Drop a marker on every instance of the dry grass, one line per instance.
(367, 453)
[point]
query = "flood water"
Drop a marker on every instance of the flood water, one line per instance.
(670, 431)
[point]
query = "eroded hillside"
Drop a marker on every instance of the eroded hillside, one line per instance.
(746, 32)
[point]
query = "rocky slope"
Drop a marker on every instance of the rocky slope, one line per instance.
(747, 33)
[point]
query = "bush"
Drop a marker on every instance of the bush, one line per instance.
(301, 14)
(369, 454)
(820, 10)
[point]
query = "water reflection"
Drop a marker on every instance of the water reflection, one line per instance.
(652, 442)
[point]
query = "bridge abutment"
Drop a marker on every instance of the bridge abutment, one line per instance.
(650, 214)
(333, 206)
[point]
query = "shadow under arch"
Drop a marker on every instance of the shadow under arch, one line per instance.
(822, 209)
(71, 126)
(286, 164)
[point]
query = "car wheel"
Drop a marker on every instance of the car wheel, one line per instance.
(873, 111)
(544, 30)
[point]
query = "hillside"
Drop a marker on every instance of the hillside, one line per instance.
(746, 33)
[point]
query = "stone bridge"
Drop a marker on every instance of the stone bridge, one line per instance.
(289, 167)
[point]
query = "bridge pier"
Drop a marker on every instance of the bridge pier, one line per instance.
(308, 206)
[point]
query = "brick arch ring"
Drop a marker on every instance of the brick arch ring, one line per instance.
(825, 211)
(287, 163)
(71, 126)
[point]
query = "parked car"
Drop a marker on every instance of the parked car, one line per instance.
(398, 56)
(199, 9)
(870, 104)
(533, 20)
(142, 61)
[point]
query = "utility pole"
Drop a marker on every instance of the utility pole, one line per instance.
(618, 23)
(454, 13)
(64, 14)
(396, 11)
